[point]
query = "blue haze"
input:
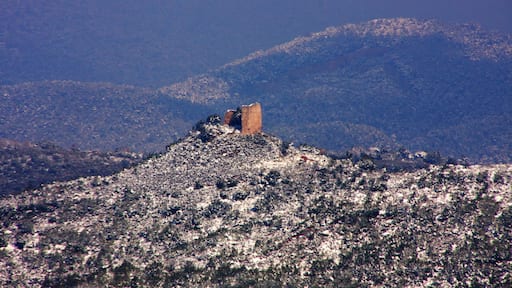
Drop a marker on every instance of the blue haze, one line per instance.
(157, 42)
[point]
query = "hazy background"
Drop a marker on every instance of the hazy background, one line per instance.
(155, 43)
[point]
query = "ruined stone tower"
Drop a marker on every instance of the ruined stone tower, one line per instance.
(247, 118)
(251, 119)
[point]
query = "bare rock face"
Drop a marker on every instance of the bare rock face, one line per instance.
(251, 119)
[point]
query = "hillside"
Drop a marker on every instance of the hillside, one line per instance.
(223, 210)
(26, 165)
(93, 116)
(387, 83)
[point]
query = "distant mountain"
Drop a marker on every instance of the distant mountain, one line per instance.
(125, 42)
(145, 43)
(93, 116)
(219, 209)
(387, 82)
(25, 166)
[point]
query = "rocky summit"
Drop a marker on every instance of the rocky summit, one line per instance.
(221, 209)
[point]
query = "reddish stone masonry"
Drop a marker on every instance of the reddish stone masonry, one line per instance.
(247, 119)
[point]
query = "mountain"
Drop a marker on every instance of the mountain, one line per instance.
(93, 116)
(386, 82)
(220, 209)
(150, 43)
(26, 165)
(157, 42)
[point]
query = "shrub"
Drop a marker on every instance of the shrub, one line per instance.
(225, 271)
(122, 272)
(231, 183)
(213, 119)
(498, 178)
(482, 177)
(154, 274)
(220, 184)
(258, 139)
(434, 158)
(366, 164)
(204, 134)
(272, 177)
(25, 227)
(198, 185)
(20, 244)
(3, 242)
(284, 147)
(71, 280)
(217, 208)
(241, 195)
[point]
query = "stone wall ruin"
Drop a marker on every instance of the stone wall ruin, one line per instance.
(247, 119)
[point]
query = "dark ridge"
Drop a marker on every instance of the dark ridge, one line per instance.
(26, 166)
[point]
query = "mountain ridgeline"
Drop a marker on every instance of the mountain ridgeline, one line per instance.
(388, 83)
(221, 209)
(384, 83)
